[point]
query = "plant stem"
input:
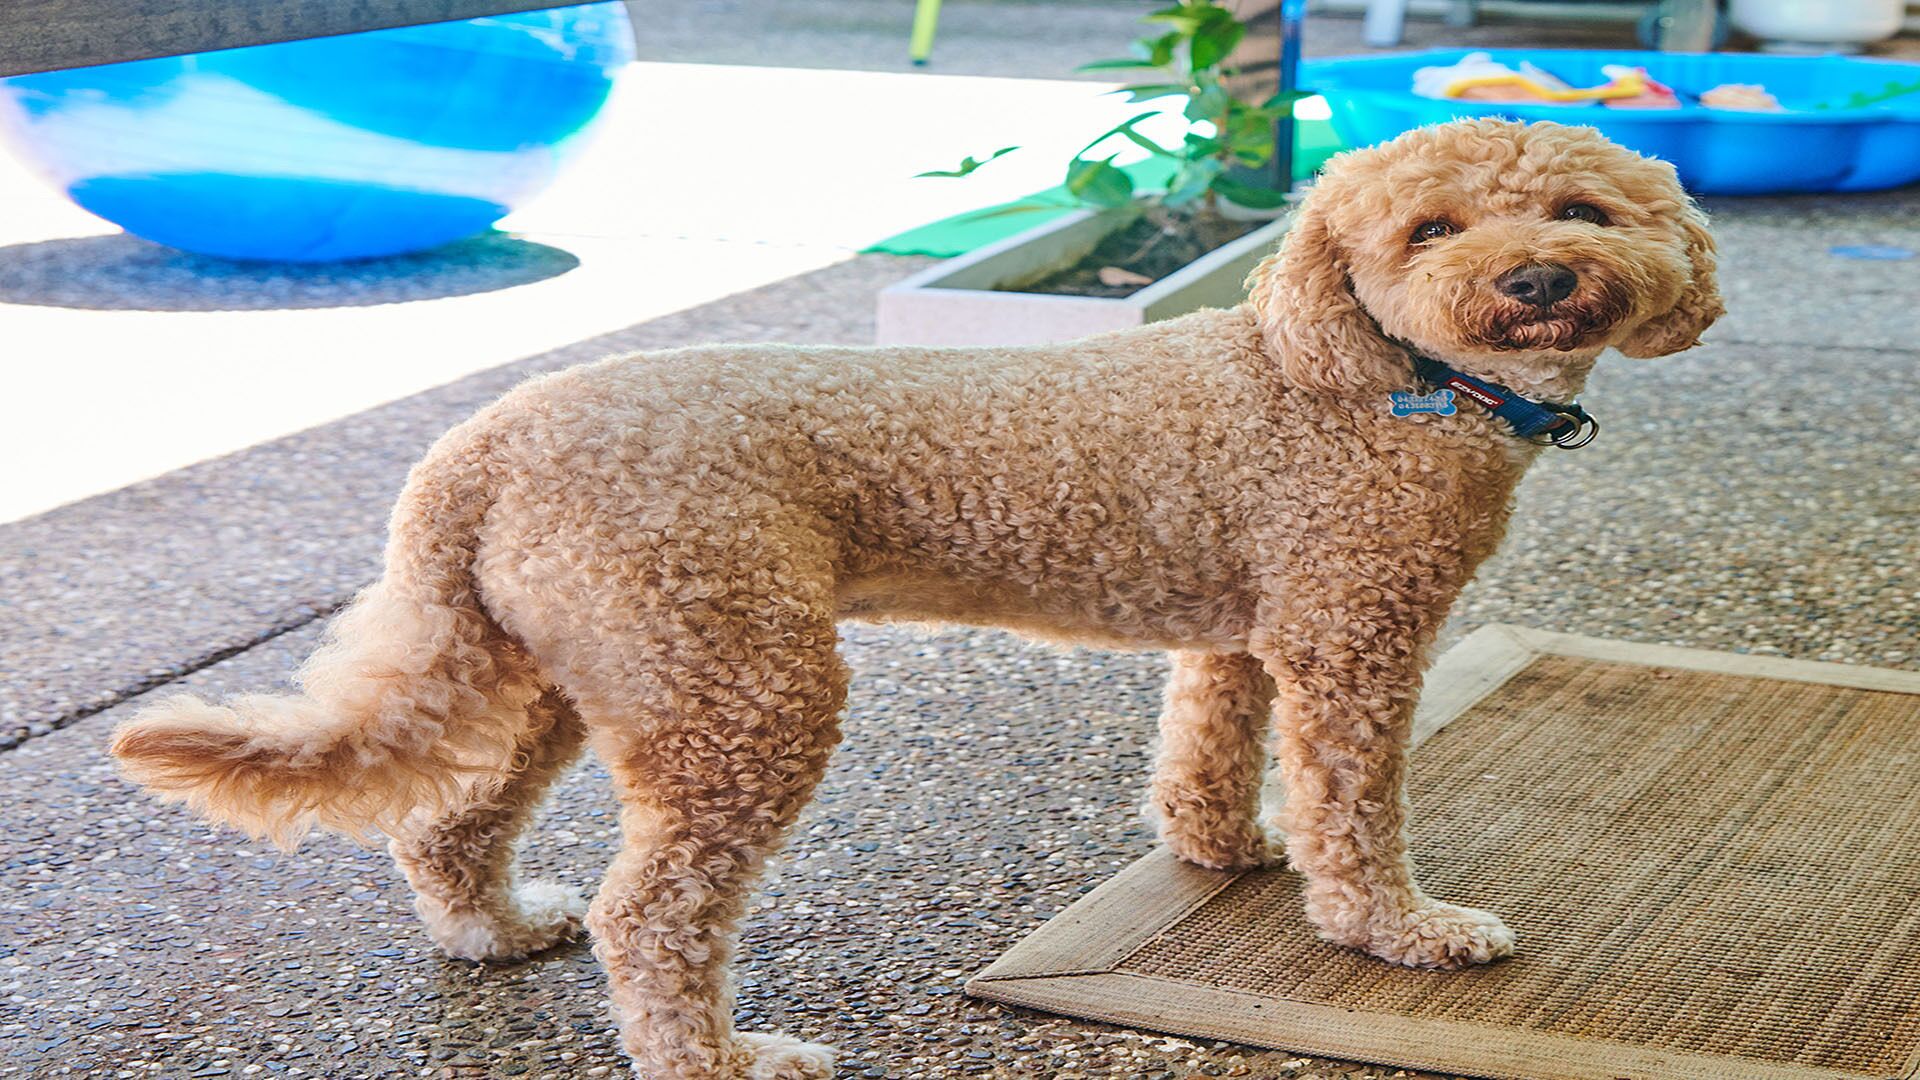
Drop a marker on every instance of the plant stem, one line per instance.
(1161, 231)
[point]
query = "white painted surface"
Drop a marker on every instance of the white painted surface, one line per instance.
(955, 303)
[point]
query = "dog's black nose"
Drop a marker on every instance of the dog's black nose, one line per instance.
(1541, 284)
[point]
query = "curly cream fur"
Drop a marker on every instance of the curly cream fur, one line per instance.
(663, 544)
(1206, 783)
(459, 861)
(415, 690)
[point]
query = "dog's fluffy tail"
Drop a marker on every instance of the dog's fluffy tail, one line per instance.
(415, 690)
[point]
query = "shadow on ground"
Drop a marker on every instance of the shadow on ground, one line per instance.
(124, 273)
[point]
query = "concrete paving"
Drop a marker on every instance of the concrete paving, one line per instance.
(1757, 495)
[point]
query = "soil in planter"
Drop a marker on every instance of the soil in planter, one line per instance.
(1157, 244)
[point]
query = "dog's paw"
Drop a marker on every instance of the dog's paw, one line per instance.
(1439, 936)
(779, 1057)
(548, 913)
(1236, 844)
(539, 915)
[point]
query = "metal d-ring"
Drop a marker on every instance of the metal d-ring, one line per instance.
(1583, 431)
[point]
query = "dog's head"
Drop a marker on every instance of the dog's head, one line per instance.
(1514, 251)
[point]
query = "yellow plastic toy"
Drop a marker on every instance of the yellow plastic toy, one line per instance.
(1478, 77)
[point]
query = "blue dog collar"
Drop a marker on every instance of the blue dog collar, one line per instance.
(1565, 426)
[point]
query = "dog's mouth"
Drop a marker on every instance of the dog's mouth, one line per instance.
(1589, 313)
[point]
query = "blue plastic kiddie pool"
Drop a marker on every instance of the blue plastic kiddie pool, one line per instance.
(343, 147)
(1821, 142)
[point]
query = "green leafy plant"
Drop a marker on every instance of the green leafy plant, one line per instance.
(1185, 56)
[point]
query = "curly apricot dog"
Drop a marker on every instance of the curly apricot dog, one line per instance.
(651, 554)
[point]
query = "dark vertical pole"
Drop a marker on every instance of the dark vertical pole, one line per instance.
(1685, 26)
(1290, 13)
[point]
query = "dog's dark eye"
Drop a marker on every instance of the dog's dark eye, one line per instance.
(1582, 212)
(1429, 231)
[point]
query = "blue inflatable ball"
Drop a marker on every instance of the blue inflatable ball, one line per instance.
(333, 148)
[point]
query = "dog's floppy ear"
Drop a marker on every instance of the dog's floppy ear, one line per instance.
(1699, 304)
(1313, 327)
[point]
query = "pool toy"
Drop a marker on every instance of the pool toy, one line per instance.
(1814, 142)
(332, 148)
(1656, 95)
(1479, 77)
(1748, 96)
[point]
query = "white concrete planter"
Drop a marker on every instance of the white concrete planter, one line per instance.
(967, 300)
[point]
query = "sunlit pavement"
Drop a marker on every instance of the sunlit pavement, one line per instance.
(704, 181)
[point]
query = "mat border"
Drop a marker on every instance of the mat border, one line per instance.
(1053, 969)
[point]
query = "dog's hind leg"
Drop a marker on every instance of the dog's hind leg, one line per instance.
(716, 722)
(708, 790)
(1206, 782)
(460, 861)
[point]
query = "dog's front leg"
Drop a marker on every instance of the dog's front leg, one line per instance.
(1344, 710)
(1206, 780)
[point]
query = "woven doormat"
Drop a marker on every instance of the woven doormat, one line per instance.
(1712, 861)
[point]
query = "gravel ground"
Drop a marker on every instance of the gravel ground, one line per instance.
(1758, 495)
